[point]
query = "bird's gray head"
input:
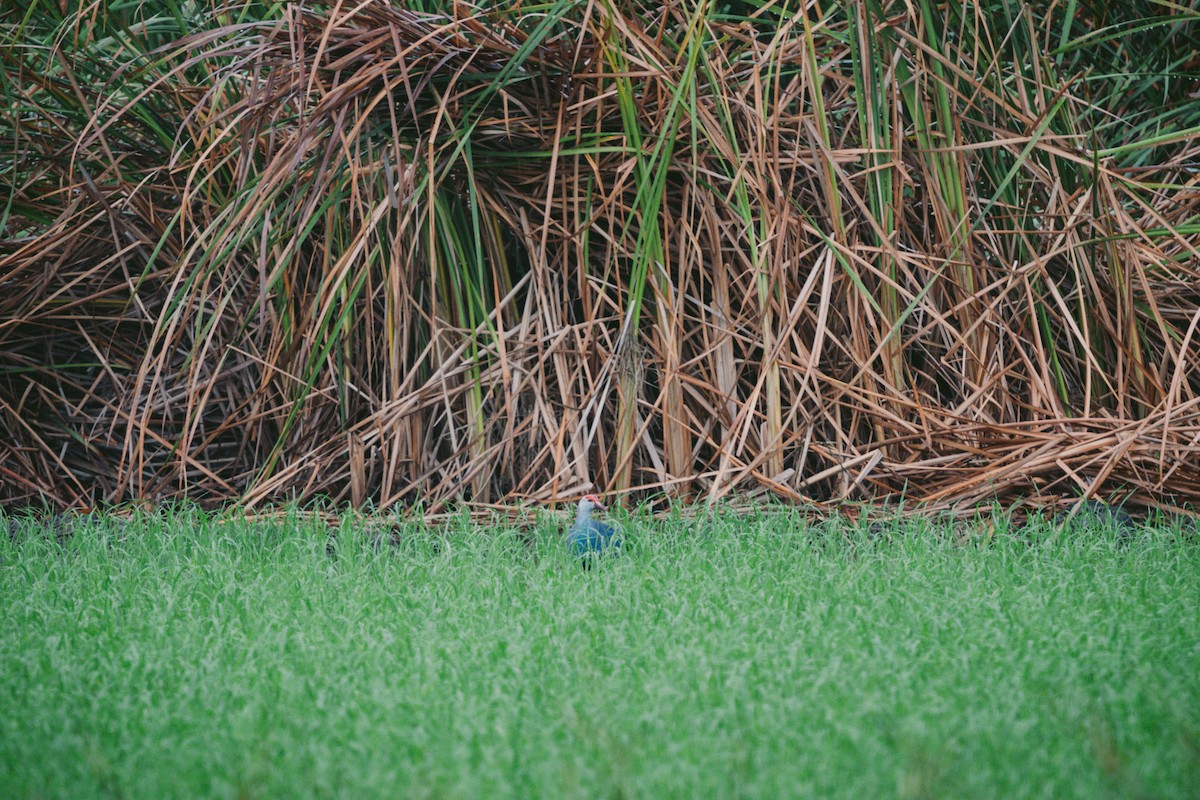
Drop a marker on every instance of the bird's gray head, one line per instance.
(587, 504)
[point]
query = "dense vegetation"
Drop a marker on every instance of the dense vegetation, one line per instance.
(732, 657)
(390, 251)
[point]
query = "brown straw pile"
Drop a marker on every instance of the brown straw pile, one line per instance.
(377, 255)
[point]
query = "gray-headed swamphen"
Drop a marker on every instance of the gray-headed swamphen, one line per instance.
(590, 538)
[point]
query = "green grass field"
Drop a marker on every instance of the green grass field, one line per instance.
(733, 658)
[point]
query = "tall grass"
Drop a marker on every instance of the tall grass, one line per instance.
(733, 657)
(397, 252)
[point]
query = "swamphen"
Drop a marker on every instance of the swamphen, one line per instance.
(590, 538)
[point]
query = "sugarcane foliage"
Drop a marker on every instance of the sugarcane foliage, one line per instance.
(392, 253)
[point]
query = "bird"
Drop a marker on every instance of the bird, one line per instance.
(589, 538)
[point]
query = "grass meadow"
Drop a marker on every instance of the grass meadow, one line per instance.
(760, 656)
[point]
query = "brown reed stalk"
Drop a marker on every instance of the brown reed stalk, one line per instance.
(382, 255)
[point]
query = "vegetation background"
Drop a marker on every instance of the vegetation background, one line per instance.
(383, 251)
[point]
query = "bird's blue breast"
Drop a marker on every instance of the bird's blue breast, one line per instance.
(595, 538)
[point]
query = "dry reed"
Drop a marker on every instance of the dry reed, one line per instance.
(878, 250)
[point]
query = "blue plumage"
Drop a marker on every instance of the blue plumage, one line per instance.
(589, 537)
